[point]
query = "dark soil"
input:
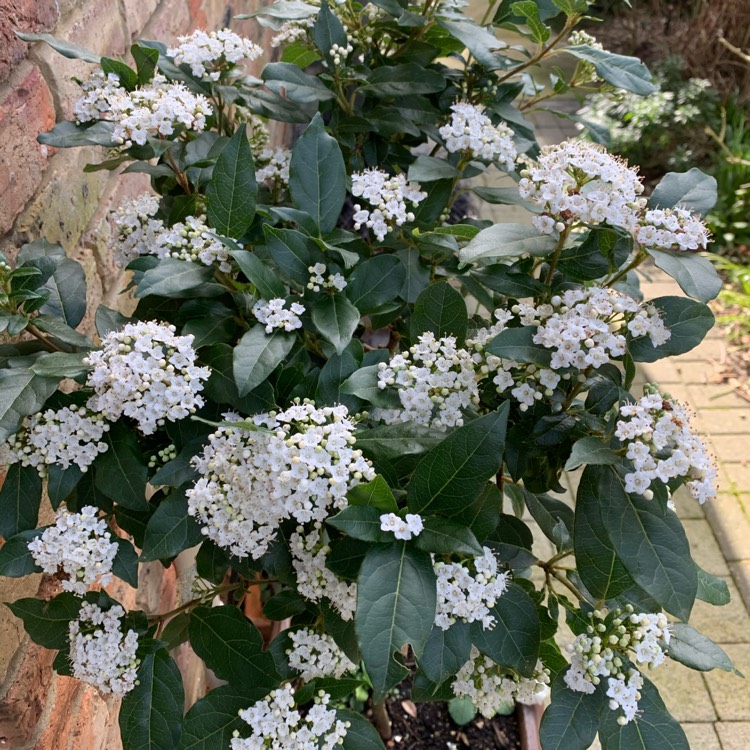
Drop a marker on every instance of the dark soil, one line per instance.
(428, 726)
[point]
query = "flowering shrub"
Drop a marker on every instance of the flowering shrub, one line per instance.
(302, 392)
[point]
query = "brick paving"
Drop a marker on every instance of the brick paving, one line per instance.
(713, 707)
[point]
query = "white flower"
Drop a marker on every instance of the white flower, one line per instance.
(471, 130)
(463, 594)
(624, 695)
(191, 240)
(492, 687)
(136, 229)
(318, 281)
(277, 724)
(208, 54)
(147, 373)
(578, 182)
(672, 228)
(292, 31)
(99, 91)
(273, 166)
(387, 196)
(316, 655)
(302, 464)
(274, 315)
(80, 544)
(100, 653)
(70, 435)
(402, 528)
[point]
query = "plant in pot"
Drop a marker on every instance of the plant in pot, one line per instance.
(349, 402)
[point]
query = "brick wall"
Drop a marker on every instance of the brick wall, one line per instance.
(44, 192)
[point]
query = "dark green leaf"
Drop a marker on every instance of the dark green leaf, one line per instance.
(178, 278)
(529, 11)
(20, 497)
(442, 310)
(361, 735)
(622, 71)
(145, 62)
(151, 713)
(388, 442)
(286, 603)
(328, 30)
(299, 87)
(60, 365)
(15, 557)
(125, 564)
(170, 530)
(429, 168)
(518, 344)
(695, 650)
(507, 241)
(257, 355)
(128, 77)
(500, 280)
(360, 522)
(258, 274)
(317, 175)
(695, 275)
(67, 134)
(65, 48)
(61, 331)
(402, 80)
(445, 537)
(396, 602)
(376, 494)
(121, 473)
(336, 318)
(231, 193)
(590, 450)
(446, 651)
(47, 622)
(107, 320)
(692, 189)
(712, 589)
(290, 252)
(67, 293)
(374, 282)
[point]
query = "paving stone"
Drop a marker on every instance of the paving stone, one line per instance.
(684, 692)
(729, 516)
(714, 396)
(663, 372)
(730, 693)
(741, 574)
(733, 420)
(704, 547)
(709, 349)
(702, 736)
(687, 506)
(736, 477)
(730, 450)
(734, 735)
(727, 624)
(699, 373)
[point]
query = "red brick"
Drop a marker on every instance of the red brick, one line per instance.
(26, 109)
(22, 15)
(58, 721)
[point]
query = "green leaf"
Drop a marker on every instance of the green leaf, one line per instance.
(696, 276)
(445, 652)
(507, 241)
(429, 168)
(67, 293)
(263, 278)
(375, 282)
(231, 193)
(67, 134)
(231, 646)
(336, 319)
(107, 320)
(257, 355)
(299, 54)
(518, 344)
(442, 310)
(145, 59)
(396, 602)
(364, 384)
(125, 563)
(529, 10)
(360, 522)
(334, 372)
(692, 189)
(455, 471)
(65, 48)
(392, 441)
(447, 537)
(688, 321)
(479, 40)
(695, 650)
(61, 331)
(602, 251)
(654, 727)
(328, 30)
(121, 473)
(514, 641)
(170, 530)
(211, 721)
(622, 71)
(712, 589)
(20, 497)
(590, 450)
(499, 279)
(301, 88)
(402, 80)
(555, 518)
(179, 279)
(47, 622)
(286, 603)
(317, 175)
(572, 718)
(60, 365)
(151, 713)
(376, 494)
(651, 543)
(361, 735)
(504, 196)
(15, 557)
(128, 77)
(603, 573)
(290, 252)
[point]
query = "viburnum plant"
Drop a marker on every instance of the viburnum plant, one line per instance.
(348, 392)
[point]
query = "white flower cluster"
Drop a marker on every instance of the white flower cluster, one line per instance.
(273, 315)
(317, 655)
(403, 528)
(292, 31)
(209, 54)
(492, 687)
(79, 543)
(318, 281)
(192, 240)
(463, 594)
(136, 228)
(277, 725)
(588, 327)
(273, 166)
(71, 435)
(602, 650)
(667, 228)
(585, 70)
(100, 653)
(436, 381)
(154, 110)
(579, 182)
(146, 372)
(661, 446)
(387, 195)
(339, 53)
(471, 130)
(299, 466)
(314, 580)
